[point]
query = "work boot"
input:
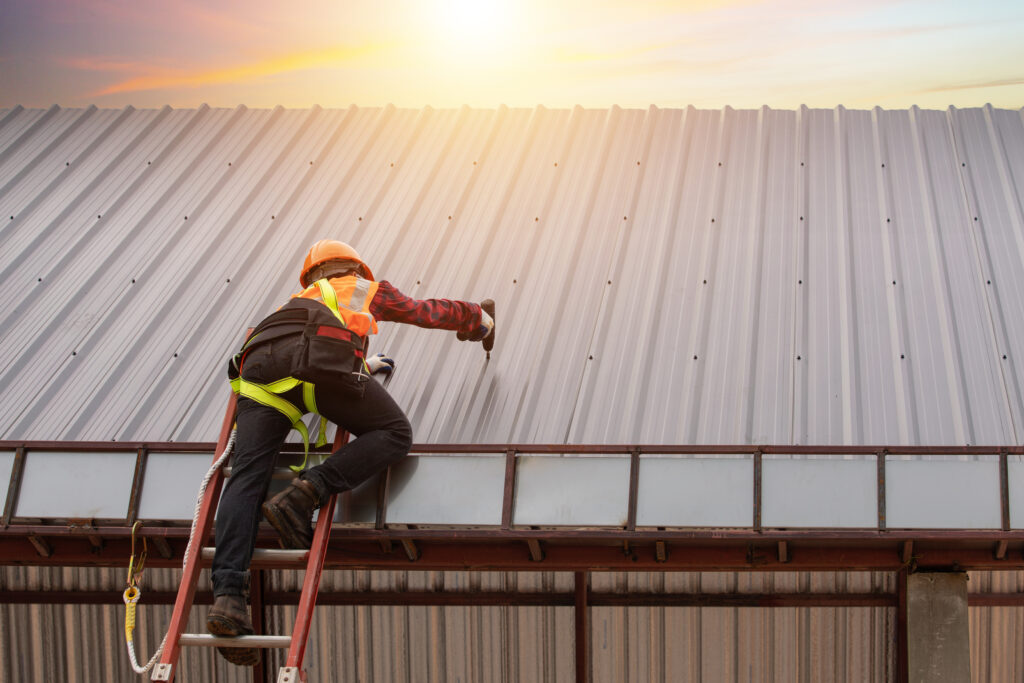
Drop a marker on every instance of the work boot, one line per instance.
(291, 513)
(229, 616)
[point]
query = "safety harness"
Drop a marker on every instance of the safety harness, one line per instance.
(289, 321)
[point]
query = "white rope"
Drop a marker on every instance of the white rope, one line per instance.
(188, 550)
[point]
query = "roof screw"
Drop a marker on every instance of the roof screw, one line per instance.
(798, 357)
(186, 217)
(556, 163)
(624, 218)
(514, 281)
(228, 280)
(609, 282)
(474, 163)
(638, 163)
(417, 282)
(705, 282)
(311, 163)
(801, 163)
(799, 282)
(1004, 356)
(975, 218)
(801, 217)
(695, 357)
(74, 353)
(175, 355)
(962, 163)
(392, 164)
(273, 217)
(894, 282)
(712, 220)
(40, 280)
(99, 215)
(719, 163)
(360, 218)
(449, 217)
(988, 282)
(150, 163)
(133, 281)
(902, 356)
(883, 165)
(591, 358)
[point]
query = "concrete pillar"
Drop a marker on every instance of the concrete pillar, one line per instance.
(938, 636)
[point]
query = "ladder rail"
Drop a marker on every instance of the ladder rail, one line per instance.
(311, 580)
(190, 572)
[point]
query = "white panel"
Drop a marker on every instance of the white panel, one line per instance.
(941, 493)
(6, 465)
(800, 492)
(574, 491)
(700, 492)
(78, 485)
(446, 489)
(171, 483)
(1015, 472)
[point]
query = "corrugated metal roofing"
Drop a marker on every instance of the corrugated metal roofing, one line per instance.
(662, 276)
(442, 644)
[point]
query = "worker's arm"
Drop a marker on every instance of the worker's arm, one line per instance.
(466, 318)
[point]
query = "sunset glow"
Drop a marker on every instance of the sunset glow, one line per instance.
(521, 53)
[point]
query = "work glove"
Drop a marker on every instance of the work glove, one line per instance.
(379, 363)
(483, 330)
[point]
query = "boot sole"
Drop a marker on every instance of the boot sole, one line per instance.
(290, 538)
(239, 656)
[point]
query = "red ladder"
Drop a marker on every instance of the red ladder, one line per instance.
(312, 559)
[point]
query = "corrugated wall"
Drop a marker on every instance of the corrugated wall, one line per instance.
(662, 276)
(508, 644)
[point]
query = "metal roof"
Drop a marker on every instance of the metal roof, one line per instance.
(662, 276)
(830, 277)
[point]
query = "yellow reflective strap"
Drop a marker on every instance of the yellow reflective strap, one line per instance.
(260, 394)
(330, 298)
(280, 386)
(309, 396)
(267, 394)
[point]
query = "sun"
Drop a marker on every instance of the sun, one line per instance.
(473, 28)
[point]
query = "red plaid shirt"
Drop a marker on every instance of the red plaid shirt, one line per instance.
(391, 305)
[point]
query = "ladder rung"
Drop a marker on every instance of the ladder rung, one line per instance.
(279, 472)
(207, 640)
(268, 555)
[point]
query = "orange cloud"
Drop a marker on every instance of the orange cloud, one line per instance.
(161, 79)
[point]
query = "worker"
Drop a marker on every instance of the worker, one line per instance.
(317, 343)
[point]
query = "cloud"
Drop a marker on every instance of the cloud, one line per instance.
(156, 78)
(1000, 83)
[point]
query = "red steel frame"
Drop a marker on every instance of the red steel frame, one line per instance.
(581, 551)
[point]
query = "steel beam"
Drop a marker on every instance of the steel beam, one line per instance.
(581, 613)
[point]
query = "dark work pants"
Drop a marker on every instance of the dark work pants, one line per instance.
(383, 437)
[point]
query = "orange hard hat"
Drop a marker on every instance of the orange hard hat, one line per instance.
(330, 250)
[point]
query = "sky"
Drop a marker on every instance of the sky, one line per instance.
(520, 53)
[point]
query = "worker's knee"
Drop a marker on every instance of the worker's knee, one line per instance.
(402, 434)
